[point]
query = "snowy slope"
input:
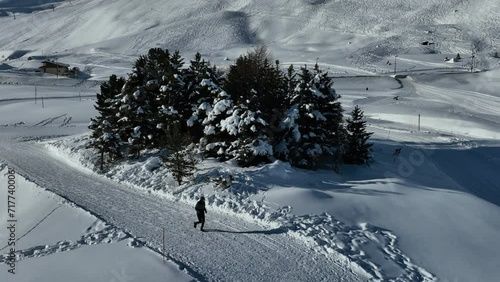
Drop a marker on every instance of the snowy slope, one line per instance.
(105, 32)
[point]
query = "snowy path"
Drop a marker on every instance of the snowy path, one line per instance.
(233, 250)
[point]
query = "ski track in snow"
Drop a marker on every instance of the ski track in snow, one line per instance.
(251, 254)
(66, 121)
(477, 102)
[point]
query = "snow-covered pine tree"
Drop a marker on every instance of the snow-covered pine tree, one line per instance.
(217, 141)
(172, 96)
(256, 86)
(105, 138)
(332, 110)
(312, 120)
(202, 85)
(253, 145)
(105, 99)
(280, 143)
(158, 67)
(358, 151)
(299, 123)
(289, 84)
(136, 110)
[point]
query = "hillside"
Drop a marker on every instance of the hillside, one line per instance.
(366, 33)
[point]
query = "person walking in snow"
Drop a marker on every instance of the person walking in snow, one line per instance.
(200, 213)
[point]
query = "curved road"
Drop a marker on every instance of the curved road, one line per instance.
(234, 250)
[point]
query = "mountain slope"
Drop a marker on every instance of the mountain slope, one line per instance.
(132, 27)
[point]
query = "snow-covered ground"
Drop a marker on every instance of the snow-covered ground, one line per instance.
(431, 213)
(57, 241)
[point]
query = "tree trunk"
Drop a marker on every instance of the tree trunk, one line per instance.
(102, 160)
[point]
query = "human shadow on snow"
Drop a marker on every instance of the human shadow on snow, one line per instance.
(265, 232)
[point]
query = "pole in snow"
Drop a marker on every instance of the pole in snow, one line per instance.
(395, 62)
(418, 122)
(163, 249)
(35, 95)
(43, 106)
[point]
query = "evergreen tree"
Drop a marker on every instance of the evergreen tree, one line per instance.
(331, 108)
(313, 122)
(218, 137)
(256, 86)
(150, 99)
(180, 162)
(202, 85)
(181, 165)
(136, 109)
(157, 64)
(358, 150)
(253, 144)
(299, 122)
(255, 82)
(105, 138)
(172, 97)
(254, 114)
(241, 80)
(289, 82)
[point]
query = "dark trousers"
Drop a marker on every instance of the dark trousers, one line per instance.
(201, 218)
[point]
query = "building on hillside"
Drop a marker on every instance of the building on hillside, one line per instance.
(54, 68)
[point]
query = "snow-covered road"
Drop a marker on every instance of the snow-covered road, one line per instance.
(232, 250)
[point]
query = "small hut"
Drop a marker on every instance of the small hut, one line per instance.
(54, 68)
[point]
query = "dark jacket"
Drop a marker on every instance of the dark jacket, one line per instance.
(200, 207)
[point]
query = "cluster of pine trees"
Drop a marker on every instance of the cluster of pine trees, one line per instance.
(255, 112)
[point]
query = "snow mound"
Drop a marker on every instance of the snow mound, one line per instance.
(152, 164)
